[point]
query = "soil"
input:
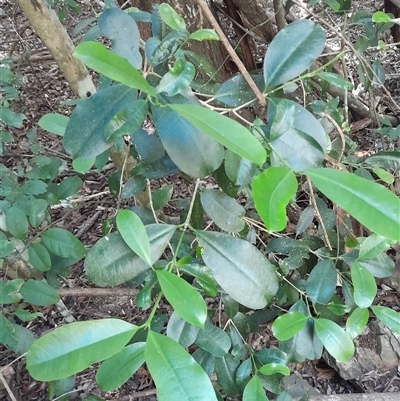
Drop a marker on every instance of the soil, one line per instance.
(44, 90)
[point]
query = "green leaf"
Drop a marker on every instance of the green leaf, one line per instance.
(167, 47)
(272, 191)
(9, 291)
(205, 360)
(203, 276)
(336, 80)
(176, 374)
(239, 268)
(226, 213)
(338, 309)
(63, 243)
(373, 246)
(84, 136)
(162, 196)
(61, 388)
(36, 212)
(170, 17)
(381, 17)
(185, 299)
(69, 349)
(204, 34)
(68, 186)
(17, 222)
(336, 341)
(178, 78)
(321, 283)
(384, 175)
(117, 369)
(82, 166)
(126, 41)
(14, 336)
(134, 234)
(303, 42)
(54, 123)
(388, 316)
(272, 368)
(356, 322)
(39, 257)
(288, 325)
(105, 268)
(182, 332)
(226, 368)
(213, 340)
(39, 293)
(26, 316)
(33, 187)
(97, 57)
(371, 204)
(8, 117)
(364, 285)
(189, 148)
(226, 131)
(254, 391)
(240, 171)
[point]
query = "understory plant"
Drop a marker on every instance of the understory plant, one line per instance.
(317, 286)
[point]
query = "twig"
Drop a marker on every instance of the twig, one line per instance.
(97, 292)
(203, 5)
(5, 384)
(279, 14)
(138, 394)
(88, 224)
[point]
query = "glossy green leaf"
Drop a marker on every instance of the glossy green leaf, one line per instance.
(97, 57)
(371, 204)
(213, 340)
(384, 175)
(68, 186)
(226, 213)
(364, 285)
(356, 322)
(17, 222)
(39, 293)
(205, 360)
(272, 191)
(388, 160)
(117, 369)
(189, 147)
(105, 268)
(178, 78)
(336, 80)
(240, 171)
(303, 42)
(176, 374)
(239, 268)
(125, 41)
(287, 325)
(170, 17)
(297, 139)
(203, 275)
(63, 243)
(321, 283)
(336, 341)
(185, 299)
(39, 257)
(254, 391)
(54, 123)
(182, 332)
(204, 34)
(225, 369)
(223, 129)
(134, 234)
(338, 309)
(272, 368)
(388, 316)
(373, 246)
(71, 348)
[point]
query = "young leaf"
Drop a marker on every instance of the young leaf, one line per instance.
(105, 268)
(63, 243)
(356, 322)
(39, 257)
(204, 34)
(288, 325)
(97, 57)
(178, 78)
(373, 246)
(364, 285)
(226, 131)
(272, 368)
(337, 80)
(254, 391)
(388, 316)
(303, 42)
(336, 341)
(239, 268)
(69, 349)
(134, 234)
(182, 332)
(272, 191)
(175, 373)
(116, 370)
(321, 283)
(170, 17)
(226, 213)
(186, 300)
(54, 123)
(371, 204)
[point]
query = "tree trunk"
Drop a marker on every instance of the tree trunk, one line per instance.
(50, 30)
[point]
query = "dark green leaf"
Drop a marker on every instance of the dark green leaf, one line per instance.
(39, 257)
(63, 243)
(39, 293)
(9, 291)
(8, 117)
(213, 340)
(321, 283)
(203, 276)
(178, 78)
(225, 368)
(16, 222)
(68, 186)
(14, 336)
(240, 171)
(168, 46)
(254, 391)
(182, 332)
(61, 388)
(205, 360)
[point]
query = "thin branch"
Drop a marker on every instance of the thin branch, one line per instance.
(97, 292)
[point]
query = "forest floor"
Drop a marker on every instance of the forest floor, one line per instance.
(43, 91)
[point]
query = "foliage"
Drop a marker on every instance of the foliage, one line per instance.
(291, 280)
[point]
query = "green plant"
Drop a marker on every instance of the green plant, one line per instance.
(291, 281)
